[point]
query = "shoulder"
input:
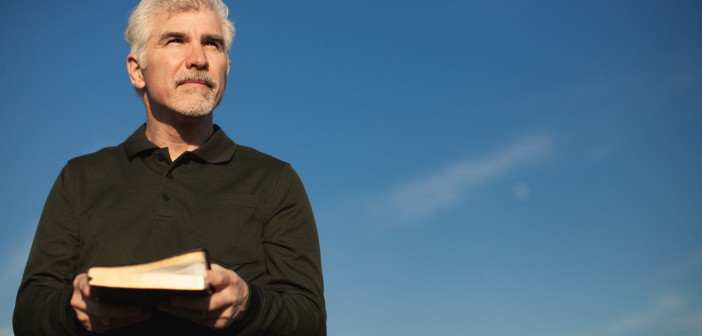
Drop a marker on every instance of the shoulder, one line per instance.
(107, 155)
(254, 163)
(245, 154)
(97, 164)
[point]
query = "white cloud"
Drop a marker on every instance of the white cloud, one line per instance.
(666, 305)
(521, 191)
(688, 321)
(669, 314)
(444, 188)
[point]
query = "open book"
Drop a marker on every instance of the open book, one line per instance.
(143, 283)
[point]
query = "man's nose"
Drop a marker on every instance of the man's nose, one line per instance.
(197, 58)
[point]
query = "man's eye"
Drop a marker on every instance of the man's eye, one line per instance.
(213, 44)
(174, 41)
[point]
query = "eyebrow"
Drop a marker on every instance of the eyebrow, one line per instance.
(213, 38)
(168, 35)
(206, 37)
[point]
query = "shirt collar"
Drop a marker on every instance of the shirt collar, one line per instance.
(219, 148)
(137, 143)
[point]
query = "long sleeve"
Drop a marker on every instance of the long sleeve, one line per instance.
(42, 306)
(292, 302)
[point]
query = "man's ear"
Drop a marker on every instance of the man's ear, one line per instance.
(229, 66)
(135, 72)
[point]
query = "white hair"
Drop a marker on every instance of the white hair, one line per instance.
(139, 25)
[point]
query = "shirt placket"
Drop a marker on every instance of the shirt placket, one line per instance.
(169, 182)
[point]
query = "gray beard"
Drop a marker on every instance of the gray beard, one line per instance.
(196, 109)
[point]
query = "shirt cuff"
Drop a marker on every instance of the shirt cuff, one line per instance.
(69, 320)
(246, 323)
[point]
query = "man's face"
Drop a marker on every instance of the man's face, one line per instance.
(187, 64)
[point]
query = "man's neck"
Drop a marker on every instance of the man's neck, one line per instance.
(179, 137)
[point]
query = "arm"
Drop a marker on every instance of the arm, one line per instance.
(52, 299)
(293, 300)
(42, 306)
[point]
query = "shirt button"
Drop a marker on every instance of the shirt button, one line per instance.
(166, 197)
(160, 157)
(169, 175)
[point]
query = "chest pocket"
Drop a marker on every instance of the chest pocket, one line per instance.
(230, 227)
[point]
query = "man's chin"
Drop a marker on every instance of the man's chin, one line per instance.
(194, 113)
(194, 108)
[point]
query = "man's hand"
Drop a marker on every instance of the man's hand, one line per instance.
(219, 310)
(99, 317)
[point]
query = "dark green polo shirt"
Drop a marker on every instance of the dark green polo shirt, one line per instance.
(131, 203)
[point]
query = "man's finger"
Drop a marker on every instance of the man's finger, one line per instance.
(81, 283)
(219, 277)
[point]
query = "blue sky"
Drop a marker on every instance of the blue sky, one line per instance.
(476, 167)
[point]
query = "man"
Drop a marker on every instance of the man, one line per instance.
(177, 183)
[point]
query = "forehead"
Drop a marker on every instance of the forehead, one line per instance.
(203, 21)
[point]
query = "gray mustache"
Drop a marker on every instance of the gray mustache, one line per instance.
(195, 76)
